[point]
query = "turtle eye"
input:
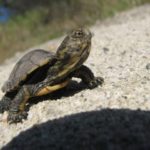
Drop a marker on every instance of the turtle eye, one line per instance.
(78, 34)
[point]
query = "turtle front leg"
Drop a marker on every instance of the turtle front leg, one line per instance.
(88, 77)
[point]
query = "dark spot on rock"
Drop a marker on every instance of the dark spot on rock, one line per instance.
(124, 96)
(92, 64)
(148, 66)
(146, 78)
(110, 67)
(81, 95)
(143, 82)
(123, 53)
(105, 49)
(85, 99)
(120, 66)
(132, 69)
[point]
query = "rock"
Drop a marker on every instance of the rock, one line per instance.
(123, 69)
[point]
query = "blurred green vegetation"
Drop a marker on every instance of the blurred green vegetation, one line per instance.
(37, 21)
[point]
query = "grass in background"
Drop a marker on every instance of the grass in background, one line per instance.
(38, 23)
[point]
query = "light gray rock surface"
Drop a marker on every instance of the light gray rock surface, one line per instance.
(121, 54)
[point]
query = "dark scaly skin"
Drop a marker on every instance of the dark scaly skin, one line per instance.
(71, 54)
(5, 104)
(16, 113)
(6, 101)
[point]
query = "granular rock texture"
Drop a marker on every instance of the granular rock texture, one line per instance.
(115, 116)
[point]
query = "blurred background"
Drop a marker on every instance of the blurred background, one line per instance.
(25, 23)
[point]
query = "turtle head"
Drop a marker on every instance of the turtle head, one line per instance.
(76, 46)
(80, 34)
(72, 52)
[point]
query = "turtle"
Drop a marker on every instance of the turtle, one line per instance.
(40, 72)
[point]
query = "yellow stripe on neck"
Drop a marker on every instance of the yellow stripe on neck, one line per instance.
(50, 89)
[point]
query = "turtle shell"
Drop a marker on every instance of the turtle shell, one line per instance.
(25, 66)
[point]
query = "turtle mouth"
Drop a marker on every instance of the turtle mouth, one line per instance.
(88, 34)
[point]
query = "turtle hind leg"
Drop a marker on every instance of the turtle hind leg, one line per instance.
(17, 108)
(88, 77)
(4, 104)
(6, 101)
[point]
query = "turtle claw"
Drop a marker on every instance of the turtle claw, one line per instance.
(95, 82)
(16, 117)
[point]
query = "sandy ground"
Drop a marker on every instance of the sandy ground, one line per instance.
(118, 110)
